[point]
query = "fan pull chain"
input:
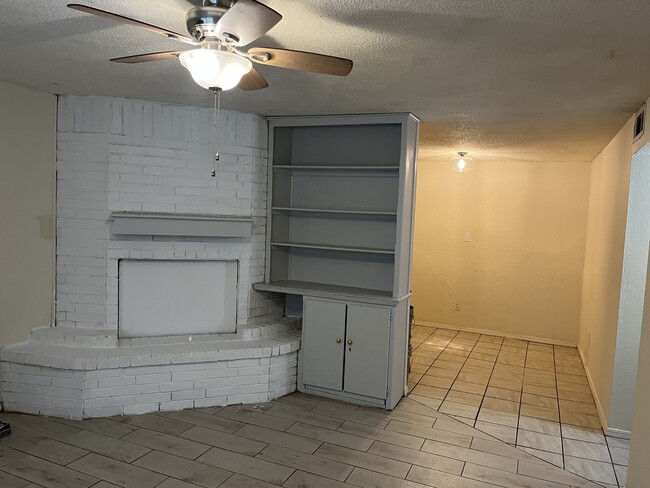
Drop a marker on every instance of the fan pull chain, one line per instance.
(216, 120)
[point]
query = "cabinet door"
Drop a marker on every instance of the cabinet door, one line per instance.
(366, 350)
(323, 334)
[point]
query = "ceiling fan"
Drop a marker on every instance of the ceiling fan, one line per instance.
(220, 28)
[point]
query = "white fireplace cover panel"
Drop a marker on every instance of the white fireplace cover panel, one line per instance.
(163, 298)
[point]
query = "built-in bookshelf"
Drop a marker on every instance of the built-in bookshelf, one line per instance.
(340, 200)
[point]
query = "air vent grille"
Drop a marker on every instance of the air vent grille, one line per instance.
(639, 123)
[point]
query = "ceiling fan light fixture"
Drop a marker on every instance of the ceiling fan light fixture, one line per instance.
(215, 69)
(462, 163)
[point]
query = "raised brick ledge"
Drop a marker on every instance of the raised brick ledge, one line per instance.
(48, 380)
(147, 353)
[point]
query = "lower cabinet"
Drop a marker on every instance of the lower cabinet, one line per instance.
(346, 347)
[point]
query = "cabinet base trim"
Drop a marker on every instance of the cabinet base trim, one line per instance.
(343, 396)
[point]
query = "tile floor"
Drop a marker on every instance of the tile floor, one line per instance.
(534, 396)
(295, 442)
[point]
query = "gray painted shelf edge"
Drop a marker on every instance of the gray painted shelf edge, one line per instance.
(320, 290)
(182, 225)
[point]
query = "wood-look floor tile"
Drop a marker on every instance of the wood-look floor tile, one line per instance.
(183, 469)
(166, 443)
(174, 483)
(282, 439)
(243, 416)
(39, 425)
(441, 372)
(418, 368)
(301, 479)
(388, 436)
(465, 387)
(474, 378)
(544, 456)
(429, 477)
(583, 434)
(506, 384)
(454, 438)
(106, 426)
(496, 417)
(540, 412)
(464, 398)
(539, 401)
(430, 391)
(241, 481)
(319, 463)
(550, 392)
(107, 446)
(501, 432)
(248, 466)
(463, 454)
(436, 381)
(500, 405)
(459, 409)
(330, 436)
(204, 420)
(539, 425)
(9, 455)
(433, 460)
(592, 470)
(43, 447)
(230, 442)
(586, 450)
(537, 440)
(117, 472)
(546, 472)
(578, 407)
(10, 481)
(367, 460)
(294, 414)
(432, 403)
(504, 478)
(158, 423)
(503, 394)
(581, 420)
(372, 417)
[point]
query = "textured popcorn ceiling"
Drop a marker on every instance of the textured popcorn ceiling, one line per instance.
(515, 79)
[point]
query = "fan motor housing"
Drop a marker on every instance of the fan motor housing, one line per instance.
(202, 21)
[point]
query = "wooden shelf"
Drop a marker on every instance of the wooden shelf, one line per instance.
(322, 290)
(364, 250)
(182, 225)
(334, 168)
(332, 211)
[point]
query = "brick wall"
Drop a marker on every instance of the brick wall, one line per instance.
(124, 155)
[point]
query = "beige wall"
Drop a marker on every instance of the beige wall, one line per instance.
(27, 161)
(639, 468)
(521, 274)
(608, 201)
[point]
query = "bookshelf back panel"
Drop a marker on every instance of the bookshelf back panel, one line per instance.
(335, 230)
(335, 191)
(356, 145)
(336, 268)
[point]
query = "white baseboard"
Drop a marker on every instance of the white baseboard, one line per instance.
(522, 337)
(594, 393)
(619, 433)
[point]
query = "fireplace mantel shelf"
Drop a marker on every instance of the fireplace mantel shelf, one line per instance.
(181, 225)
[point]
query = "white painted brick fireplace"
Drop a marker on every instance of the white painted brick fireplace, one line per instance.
(117, 155)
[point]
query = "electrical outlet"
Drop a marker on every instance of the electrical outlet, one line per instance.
(457, 307)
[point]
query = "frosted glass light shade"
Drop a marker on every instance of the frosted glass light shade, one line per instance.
(462, 163)
(211, 68)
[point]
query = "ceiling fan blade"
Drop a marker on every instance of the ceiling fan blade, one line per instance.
(247, 20)
(129, 21)
(145, 58)
(253, 80)
(301, 61)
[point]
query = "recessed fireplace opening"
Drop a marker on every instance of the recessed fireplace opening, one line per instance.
(176, 297)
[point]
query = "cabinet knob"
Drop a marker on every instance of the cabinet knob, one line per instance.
(338, 341)
(349, 342)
